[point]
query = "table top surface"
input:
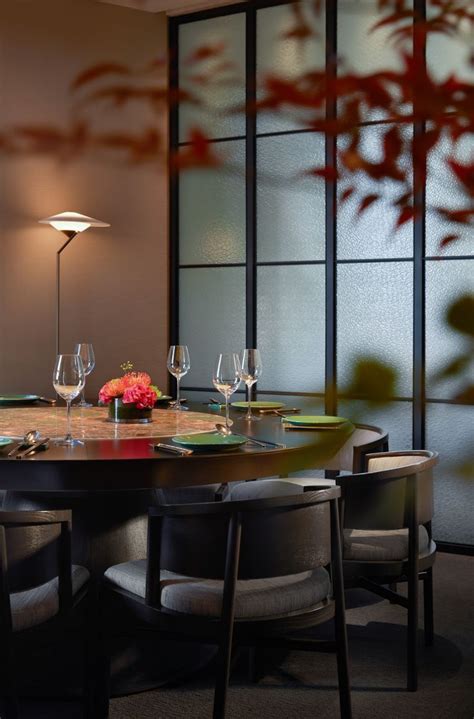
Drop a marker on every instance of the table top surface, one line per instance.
(115, 452)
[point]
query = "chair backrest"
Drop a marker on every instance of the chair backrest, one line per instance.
(395, 485)
(277, 536)
(34, 548)
(352, 455)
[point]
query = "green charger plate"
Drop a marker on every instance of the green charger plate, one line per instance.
(209, 441)
(310, 420)
(8, 399)
(258, 405)
(5, 441)
(163, 398)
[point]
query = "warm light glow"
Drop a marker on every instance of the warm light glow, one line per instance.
(72, 222)
(71, 226)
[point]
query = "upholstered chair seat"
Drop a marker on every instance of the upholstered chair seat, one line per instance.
(35, 606)
(255, 598)
(372, 545)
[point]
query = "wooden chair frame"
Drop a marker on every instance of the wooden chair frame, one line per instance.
(417, 509)
(226, 631)
(71, 608)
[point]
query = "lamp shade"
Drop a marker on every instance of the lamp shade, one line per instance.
(72, 222)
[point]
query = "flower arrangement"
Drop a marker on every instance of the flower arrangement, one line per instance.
(133, 388)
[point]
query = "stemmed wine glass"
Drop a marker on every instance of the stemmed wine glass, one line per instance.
(178, 365)
(86, 353)
(250, 371)
(68, 381)
(226, 378)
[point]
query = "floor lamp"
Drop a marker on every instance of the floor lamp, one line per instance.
(70, 224)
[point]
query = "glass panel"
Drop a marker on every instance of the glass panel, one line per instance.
(288, 57)
(290, 327)
(362, 51)
(212, 210)
(450, 54)
(445, 283)
(212, 317)
(443, 190)
(216, 80)
(375, 311)
(449, 432)
(290, 205)
(394, 417)
(372, 233)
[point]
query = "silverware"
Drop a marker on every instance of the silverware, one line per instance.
(47, 400)
(214, 401)
(28, 440)
(161, 447)
(279, 412)
(34, 448)
(225, 431)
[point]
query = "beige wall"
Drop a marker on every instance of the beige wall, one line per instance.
(114, 281)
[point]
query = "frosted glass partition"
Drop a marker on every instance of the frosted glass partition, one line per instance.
(449, 432)
(445, 283)
(450, 54)
(215, 83)
(287, 57)
(290, 327)
(290, 204)
(439, 177)
(375, 315)
(372, 234)
(362, 51)
(212, 317)
(212, 210)
(393, 417)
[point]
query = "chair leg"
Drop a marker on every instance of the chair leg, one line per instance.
(222, 675)
(343, 667)
(412, 631)
(428, 607)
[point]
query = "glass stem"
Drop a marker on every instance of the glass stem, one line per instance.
(178, 380)
(68, 416)
(249, 397)
(227, 419)
(83, 398)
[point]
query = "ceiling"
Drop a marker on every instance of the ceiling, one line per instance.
(171, 7)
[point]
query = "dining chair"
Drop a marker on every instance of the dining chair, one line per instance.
(351, 457)
(386, 514)
(41, 593)
(235, 573)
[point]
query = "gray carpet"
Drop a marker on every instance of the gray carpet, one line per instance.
(304, 685)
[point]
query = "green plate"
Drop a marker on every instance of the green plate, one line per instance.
(6, 399)
(258, 405)
(5, 441)
(312, 420)
(209, 441)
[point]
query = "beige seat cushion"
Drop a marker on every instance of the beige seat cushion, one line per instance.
(35, 606)
(375, 545)
(255, 598)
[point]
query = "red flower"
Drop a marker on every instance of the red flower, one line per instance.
(140, 395)
(112, 388)
(132, 378)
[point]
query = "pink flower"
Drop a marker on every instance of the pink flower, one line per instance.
(140, 395)
(112, 388)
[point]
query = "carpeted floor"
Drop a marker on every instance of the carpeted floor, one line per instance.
(304, 685)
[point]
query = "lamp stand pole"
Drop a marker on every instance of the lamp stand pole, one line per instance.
(70, 234)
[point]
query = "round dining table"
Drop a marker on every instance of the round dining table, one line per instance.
(111, 478)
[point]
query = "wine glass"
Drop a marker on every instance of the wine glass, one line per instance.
(250, 371)
(68, 381)
(226, 378)
(86, 353)
(178, 365)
